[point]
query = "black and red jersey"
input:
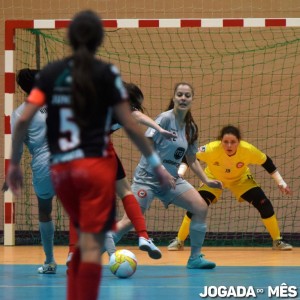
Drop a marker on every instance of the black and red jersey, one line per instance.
(67, 140)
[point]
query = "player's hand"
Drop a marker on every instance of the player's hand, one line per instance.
(215, 184)
(15, 179)
(166, 180)
(4, 187)
(285, 190)
(168, 134)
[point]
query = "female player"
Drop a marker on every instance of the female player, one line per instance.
(227, 160)
(81, 93)
(36, 142)
(177, 119)
(131, 206)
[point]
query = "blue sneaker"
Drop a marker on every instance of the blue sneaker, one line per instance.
(200, 263)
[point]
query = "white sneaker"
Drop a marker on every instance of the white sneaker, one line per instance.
(281, 245)
(69, 258)
(147, 245)
(176, 245)
(47, 268)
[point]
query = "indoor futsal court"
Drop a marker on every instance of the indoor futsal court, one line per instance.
(259, 270)
(242, 58)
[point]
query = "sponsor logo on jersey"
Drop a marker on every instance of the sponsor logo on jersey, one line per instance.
(179, 153)
(216, 163)
(142, 193)
(239, 164)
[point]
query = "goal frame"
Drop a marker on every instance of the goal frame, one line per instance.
(10, 75)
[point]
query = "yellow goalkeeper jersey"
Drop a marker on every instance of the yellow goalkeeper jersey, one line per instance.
(229, 169)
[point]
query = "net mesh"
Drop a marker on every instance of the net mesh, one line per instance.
(248, 77)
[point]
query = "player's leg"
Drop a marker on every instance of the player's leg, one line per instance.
(46, 228)
(44, 191)
(191, 200)
(144, 196)
(258, 199)
(85, 268)
(73, 240)
(178, 243)
(134, 213)
(112, 238)
(97, 216)
(90, 268)
(131, 207)
(123, 227)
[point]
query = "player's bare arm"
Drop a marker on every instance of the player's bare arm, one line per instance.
(147, 121)
(123, 114)
(197, 169)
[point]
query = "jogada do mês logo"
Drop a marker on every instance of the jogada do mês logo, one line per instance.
(281, 291)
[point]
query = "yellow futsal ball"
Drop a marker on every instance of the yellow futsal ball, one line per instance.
(123, 263)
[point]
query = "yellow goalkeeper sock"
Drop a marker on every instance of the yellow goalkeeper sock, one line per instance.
(272, 226)
(184, 229)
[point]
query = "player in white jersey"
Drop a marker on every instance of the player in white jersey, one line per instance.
(36, 142)
(177, 119)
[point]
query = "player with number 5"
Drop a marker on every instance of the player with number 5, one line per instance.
(82, 94)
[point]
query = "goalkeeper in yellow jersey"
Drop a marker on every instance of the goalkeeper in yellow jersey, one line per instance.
(227, 160)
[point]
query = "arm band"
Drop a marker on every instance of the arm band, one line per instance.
(269, 166)
(279, 180)
(153, 160)
(182, 169)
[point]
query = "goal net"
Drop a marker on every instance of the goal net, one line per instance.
(245, 76)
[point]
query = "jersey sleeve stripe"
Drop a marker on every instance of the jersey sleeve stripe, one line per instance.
(36, 97)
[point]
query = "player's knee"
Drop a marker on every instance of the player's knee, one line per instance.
(264, 206)
(45, 210)
(207, 196)
(45, 216)
(189, 214)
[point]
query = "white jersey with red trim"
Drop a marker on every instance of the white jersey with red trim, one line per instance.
(171, 152)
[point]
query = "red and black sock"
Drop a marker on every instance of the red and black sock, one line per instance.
(134, 213)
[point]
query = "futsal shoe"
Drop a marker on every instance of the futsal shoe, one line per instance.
(281, 245)
(176, 245)
(147, 245)
(47, 268)
(200, 262)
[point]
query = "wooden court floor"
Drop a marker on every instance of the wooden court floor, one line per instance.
(222, 256)
(266, 273)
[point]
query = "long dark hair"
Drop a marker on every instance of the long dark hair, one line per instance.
(191, 128)
(135, 95)
(85, 34)
(230, 129)
(25, 79)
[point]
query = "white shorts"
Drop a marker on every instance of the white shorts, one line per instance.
(146, 191)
